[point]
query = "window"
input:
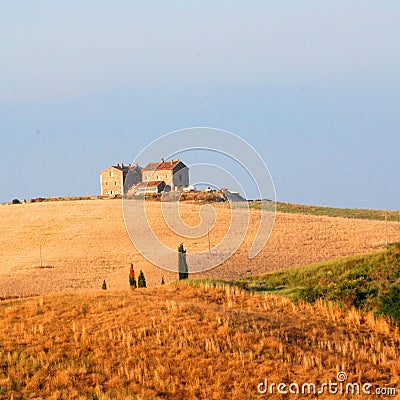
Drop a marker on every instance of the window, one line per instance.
(180, 178)
(115, 183)
(111, 173)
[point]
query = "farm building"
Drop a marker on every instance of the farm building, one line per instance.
(119, 179)
(151, 187)
(174, 173)
(113, 179)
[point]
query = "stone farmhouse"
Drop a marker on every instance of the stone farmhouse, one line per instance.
(174, 173)
(112, 179)
(153, 178)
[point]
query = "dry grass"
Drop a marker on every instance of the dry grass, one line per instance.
(183, 342)
(86, 242)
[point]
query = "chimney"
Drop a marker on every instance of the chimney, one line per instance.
(122, 165)
(117, 165)
(162, 160)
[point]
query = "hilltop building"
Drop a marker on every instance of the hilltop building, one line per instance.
(174, 173)
(112, 179)
(153, 178)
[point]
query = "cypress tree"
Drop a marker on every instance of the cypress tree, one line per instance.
(141, 280)
(132, 280)
(104, 285)
(162, 281)
(182, 264)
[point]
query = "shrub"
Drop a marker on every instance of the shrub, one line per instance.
(182, 264)
(104, 285)
(141, 280)
(16, 201)
(390, 304)
(363, 295)
(310, 294)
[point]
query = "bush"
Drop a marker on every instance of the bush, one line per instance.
(16, 201)
(141, 280)
(363, 295)
(182, 264)
(390, 304)
(310, 294)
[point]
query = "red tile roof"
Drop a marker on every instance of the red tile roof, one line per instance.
(162, 165)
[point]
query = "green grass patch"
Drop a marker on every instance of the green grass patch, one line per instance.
(368, 282)
(204, 282)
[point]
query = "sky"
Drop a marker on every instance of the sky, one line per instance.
(314, 87)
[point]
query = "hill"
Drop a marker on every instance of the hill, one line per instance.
(357, 213)
(368, 282)
(84, 242)
(182, 341)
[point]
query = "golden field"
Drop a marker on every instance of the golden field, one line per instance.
(180, 340)
(186, 342)
(86, 241)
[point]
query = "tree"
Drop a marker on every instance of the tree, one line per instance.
(104, 285)
(132, 280)
(16, 201)
(182, 264)
(162, 281)
(141, 280)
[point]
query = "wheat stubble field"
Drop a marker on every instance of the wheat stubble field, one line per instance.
(84, 242)
(183, 340)
(186, 342)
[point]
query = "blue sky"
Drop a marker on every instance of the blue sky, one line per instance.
(313, 86)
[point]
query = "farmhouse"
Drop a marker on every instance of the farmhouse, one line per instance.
(113, 179)
(174, 173)
(155, 176)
